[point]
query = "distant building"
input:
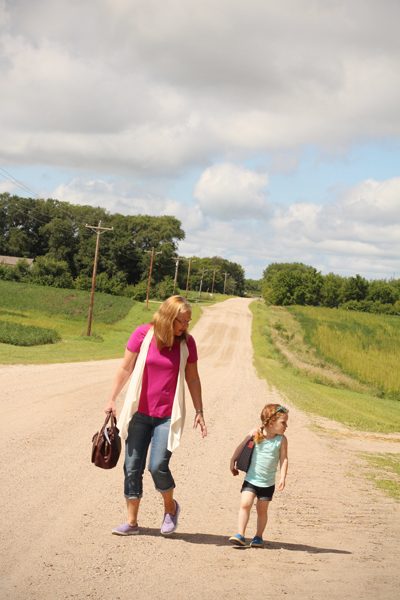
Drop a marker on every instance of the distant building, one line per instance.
(11, 261)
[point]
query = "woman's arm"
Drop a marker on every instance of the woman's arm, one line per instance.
(194, 385)
(123, 374)
(237, 452)
(284, 463)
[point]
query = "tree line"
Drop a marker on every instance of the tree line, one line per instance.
(285, 284)
(54, 233)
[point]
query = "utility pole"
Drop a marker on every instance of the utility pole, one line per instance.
(176, 270)
(226, 274)
(151, 268)
(190, 260)
(212, 288)
(99, 230)
(233, 286)
(201, 282)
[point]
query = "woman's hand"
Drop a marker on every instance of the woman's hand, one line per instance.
(199, 420)
(111, 407)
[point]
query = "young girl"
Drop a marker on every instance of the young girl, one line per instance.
(270, 448)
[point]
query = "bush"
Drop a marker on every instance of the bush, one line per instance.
(19, 272)
(27, 335)
(165, 288)
(83, 282)
(137, 292)
(49, 271)
(114, 285)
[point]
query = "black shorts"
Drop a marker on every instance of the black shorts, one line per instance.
(262, 493)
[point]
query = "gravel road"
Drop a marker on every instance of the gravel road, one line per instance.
(331, 534)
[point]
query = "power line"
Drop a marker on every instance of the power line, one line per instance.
(18, 183)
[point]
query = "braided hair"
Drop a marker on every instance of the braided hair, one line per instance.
(269, 414)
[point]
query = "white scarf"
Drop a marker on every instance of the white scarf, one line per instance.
(135, 387)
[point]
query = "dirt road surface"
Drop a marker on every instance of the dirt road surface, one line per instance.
(330, 535)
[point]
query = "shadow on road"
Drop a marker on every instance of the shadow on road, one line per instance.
(220, 540)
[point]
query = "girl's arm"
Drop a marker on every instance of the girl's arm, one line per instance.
(284, 463)
(123, 374)
(194, 385)
(237, 452)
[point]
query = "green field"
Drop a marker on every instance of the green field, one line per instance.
(367, 346)
(359, 408)
(62, 302)
(66, 312)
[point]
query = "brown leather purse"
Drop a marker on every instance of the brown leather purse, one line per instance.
(106, 444)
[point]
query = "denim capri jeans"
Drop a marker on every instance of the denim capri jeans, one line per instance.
(143, 431)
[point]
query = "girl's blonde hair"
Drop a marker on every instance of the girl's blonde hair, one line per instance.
(269, 414)
(163, 321)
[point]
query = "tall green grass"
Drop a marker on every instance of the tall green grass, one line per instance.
(359, 410)
(69, 303)
(27, 335)
(107, 340)
(367, 346)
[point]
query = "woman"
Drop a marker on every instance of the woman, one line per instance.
(160, 356)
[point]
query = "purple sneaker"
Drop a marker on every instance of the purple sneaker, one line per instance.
(126, 529)
(170, 522)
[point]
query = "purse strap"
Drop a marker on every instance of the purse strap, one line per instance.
(113, 423)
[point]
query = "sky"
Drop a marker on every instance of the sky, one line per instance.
(270, 129)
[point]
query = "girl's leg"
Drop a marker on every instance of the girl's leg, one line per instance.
(262, 516)
(246, 502)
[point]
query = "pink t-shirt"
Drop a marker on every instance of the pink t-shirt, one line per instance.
(160, 374)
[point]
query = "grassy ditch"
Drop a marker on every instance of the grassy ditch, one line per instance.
(366, 346)
(107, 340)
(282, 356)
(73, 304)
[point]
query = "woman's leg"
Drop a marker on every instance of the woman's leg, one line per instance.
(169, 504)
(137, 444)
(159, 463)
(133, 509)
(246, 502)
(262, 516)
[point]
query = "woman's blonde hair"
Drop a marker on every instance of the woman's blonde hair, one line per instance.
(269, 414)
(163, 321)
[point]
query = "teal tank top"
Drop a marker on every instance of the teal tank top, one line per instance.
(264, 462)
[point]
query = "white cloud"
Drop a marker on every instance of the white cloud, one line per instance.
(149, 89)
(151, 86)
(121, 197)
(374, 202)
(342, 236)
(229, 191)
(7, 186)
